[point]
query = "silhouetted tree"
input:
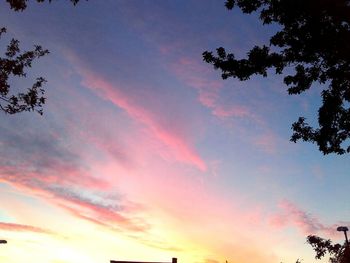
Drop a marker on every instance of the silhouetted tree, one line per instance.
(14, 63)
(20, 5)
(314, 41)
(337, 253)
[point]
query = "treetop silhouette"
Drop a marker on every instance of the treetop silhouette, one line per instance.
(20, 5)
(14, 64)
(337, 253)
(314, 41)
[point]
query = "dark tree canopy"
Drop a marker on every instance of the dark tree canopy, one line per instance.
(13, 64)
(337, 253)
(20, 5)
(314, 41)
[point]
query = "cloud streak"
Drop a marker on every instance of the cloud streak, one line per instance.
(291, 215)
(99, 212)
(23, 228)
(194, 74)
(108, 215)
(182, 150)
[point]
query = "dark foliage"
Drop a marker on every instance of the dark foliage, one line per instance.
(314, 41)
(338, 253)
(20, 5)
(14, 63)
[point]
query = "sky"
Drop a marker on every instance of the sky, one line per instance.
(144, 153)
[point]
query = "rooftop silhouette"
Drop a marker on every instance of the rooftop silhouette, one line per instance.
(173, 260)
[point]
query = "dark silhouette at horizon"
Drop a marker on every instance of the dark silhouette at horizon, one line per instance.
(173, 260)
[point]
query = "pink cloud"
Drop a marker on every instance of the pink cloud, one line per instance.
(208, 97)
(112, 215)
(23, 228)
(182, 150)
(59, 190)
(231, 111)
(91, 129)
(267, 142)
(53, 174)
(102, 216)
(291, 215)
(196, 75)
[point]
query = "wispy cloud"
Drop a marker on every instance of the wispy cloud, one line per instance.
(268, 142)
(47, 169)
(39, 162)
(23, 228)
(182, 150)
(199, 77)
(108, 213)
(211, 94)
(222, 111)
(99, 211)
(292, 215)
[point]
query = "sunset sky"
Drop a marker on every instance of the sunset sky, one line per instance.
(145, 153)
